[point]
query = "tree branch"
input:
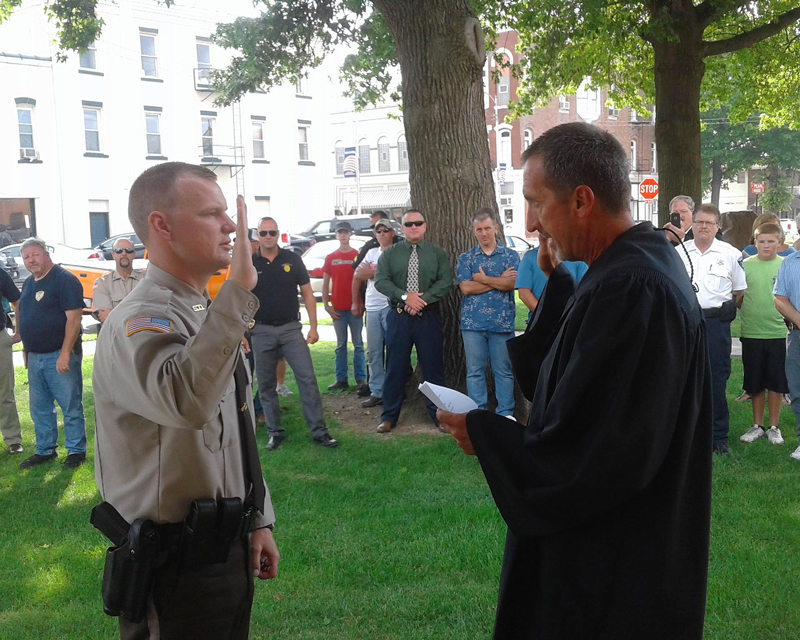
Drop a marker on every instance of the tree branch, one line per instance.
(754, 36)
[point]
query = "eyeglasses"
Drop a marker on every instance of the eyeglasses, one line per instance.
(414, 223)
(269, 232)
(383, 230)
(704, 223)
(119, 252)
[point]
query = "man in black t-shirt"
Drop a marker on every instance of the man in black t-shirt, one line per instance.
(49, 322)
(9, 418)
(278, 332)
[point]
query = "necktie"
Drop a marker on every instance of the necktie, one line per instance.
(252, 465)
(412, 283)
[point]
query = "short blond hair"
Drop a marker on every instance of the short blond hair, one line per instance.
(769, 228)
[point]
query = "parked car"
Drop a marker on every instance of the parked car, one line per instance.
(58, 253)
(324, 230)
(9, 265)
(103, 250)
(314, 259)
(520, 245)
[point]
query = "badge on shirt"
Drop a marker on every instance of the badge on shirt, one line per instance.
(287, 267)
(146, 323)
(198, 307)
(39, 295)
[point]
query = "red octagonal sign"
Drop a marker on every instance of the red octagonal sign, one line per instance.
(648, 189)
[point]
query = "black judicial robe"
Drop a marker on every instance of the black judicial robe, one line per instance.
(607, 490)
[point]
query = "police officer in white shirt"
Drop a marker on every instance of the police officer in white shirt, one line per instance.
(718, 278)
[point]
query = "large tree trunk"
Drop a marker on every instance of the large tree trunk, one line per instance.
(679, 70)
(716, 181)
(441, 51)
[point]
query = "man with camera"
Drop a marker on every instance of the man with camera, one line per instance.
(175, 455)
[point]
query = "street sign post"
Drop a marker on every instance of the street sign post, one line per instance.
(648, 189)
(757, 187)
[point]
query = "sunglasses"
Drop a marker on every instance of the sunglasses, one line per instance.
(270, 232)
(383, 230)
(414, 223)
(119, 252)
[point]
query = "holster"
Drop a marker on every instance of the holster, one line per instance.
(727, 312)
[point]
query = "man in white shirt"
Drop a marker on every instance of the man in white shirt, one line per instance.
(719, 280)
(377, 307)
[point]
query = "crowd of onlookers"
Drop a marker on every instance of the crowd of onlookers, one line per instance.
(394, 286)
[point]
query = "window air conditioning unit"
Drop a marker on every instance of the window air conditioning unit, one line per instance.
(28, 154)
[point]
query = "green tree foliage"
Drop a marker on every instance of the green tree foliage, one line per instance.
(777, 198)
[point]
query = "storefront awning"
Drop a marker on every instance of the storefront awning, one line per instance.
(391, 198)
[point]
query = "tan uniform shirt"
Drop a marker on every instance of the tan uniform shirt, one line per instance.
(167, 430)
(110, 289)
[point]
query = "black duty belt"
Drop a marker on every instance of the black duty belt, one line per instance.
(277, 323)
(712, 313)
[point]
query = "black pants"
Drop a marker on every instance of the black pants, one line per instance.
(404, 331)
(718, 334)
(199, 603)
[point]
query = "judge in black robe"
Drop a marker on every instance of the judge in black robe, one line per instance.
(606, 491)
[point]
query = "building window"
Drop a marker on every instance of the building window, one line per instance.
(301, 86)
(258, 138)
(633, 155)
(505, 149)
(613, 112)
(653, 158)
(339, 158)
(207, 134)
(147, 41)
(25, 124)
(384, 163)
(302, 139)
(507, 189)
(363, 157)
(527, 138)
(563, 103)
(203, 63)
(503, 86)
(402, 154)
(153, 125)
(91, 127)
(633, 115)
(88, 59)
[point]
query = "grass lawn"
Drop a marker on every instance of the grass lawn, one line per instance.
(385, 538)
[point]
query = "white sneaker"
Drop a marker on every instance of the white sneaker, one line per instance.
(795, 455)
(284, 391)
(774, 435)
(510, 418)
(753, 434)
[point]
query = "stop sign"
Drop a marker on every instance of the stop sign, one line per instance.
(648, 189)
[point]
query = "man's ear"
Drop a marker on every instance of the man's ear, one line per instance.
(159, 224)
(583, 200)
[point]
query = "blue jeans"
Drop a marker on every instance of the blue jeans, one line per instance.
(376, 340)
(46, 386)
(479, 347)
(793, 374)
(347, 319)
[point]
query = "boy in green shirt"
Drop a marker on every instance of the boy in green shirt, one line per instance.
(763, 336)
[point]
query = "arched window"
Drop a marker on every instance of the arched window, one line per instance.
(363, 156)
(504, 154)
(527, 138)
(384, 163)
(402, 154)
(339, 151)
(633, 155)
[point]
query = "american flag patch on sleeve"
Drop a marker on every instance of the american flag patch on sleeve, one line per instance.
(146, 323)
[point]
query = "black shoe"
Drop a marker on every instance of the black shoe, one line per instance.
(326, 441)
(364, 391)
(74, 460)
(274, 443)
(35, 460)
(372, 401)
(721, 449)
(339, 384)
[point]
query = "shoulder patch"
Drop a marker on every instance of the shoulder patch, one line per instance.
(147, 323)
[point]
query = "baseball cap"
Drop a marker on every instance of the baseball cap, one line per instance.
(383, 222)
(343, 225)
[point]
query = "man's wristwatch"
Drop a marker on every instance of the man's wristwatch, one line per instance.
(404, 297)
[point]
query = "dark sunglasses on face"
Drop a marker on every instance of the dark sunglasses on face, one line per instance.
(383, 230)
(270, 232)
(414, 223)
(119, 252)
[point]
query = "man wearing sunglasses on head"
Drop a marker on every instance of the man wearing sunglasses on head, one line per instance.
(415, 275)
(111, 289)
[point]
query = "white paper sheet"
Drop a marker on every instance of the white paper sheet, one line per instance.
(447, 399)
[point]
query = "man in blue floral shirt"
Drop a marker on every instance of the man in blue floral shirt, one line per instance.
(486, 276)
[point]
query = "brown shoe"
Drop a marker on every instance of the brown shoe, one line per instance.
(15, 448)
(385, 427)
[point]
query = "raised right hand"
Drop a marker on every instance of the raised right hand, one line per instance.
(242, 271)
